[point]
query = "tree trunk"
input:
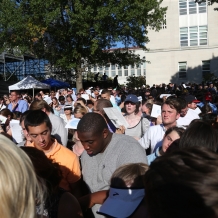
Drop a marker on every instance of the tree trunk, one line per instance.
(79, 81)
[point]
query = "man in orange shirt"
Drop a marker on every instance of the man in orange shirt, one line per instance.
(38, 126)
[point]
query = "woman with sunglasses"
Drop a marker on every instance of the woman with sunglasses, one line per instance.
(137, 125)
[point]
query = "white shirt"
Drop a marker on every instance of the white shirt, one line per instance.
(2, 106)
(112, 99)
(197, 110)
(152, 136)
(186, 120)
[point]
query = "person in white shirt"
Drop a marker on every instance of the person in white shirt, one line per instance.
(170, 112)
(187, 114)
(192, 102)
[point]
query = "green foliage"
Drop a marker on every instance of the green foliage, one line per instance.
(75, 34)
(135, 81)
(211, 77)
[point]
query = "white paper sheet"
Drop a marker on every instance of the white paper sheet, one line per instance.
(156, 110)
(197, 110)
(2, 119)
(85, 96)
(72, 124)
(167, 95)
(116, 117)
(16, 130)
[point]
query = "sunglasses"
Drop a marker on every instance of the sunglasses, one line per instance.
(129, 102)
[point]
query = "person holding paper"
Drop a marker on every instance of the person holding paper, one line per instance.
(104, 153)
(137, 125)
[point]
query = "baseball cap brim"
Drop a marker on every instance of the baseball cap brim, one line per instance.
(196, 101)
(127, 199)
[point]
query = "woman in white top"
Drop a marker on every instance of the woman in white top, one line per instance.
(137, 125)
(55, 106)
(67, 116)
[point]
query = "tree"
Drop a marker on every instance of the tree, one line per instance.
(135, 82)
(211, 77)
(75, 34)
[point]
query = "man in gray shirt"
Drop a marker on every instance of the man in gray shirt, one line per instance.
(105, 152)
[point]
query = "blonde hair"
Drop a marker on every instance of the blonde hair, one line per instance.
(18, 183)
(129, 175)
(39, 105)
(80, 109)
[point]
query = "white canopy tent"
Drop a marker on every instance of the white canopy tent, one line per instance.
(29, 83)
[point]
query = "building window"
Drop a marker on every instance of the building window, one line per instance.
(191, 7)
(139, 72)
(144, 68)
(120, 72)
(193, 36)
(182, 7)
(184, 36)
(113, 67)
(205, 67)
(95, 68)
(182, 70)
(132, 71)
(203, 35)
(113, 73)
(202, 7)
(107, 66)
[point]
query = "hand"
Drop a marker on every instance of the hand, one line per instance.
(120, 130)
(122, 105)
(159, 120)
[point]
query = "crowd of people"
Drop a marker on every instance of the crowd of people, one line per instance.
(161, 165)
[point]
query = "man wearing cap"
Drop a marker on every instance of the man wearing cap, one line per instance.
(105, 152)
(170, 112)
(192, 103)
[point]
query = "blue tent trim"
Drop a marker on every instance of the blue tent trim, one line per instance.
(56, 83)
